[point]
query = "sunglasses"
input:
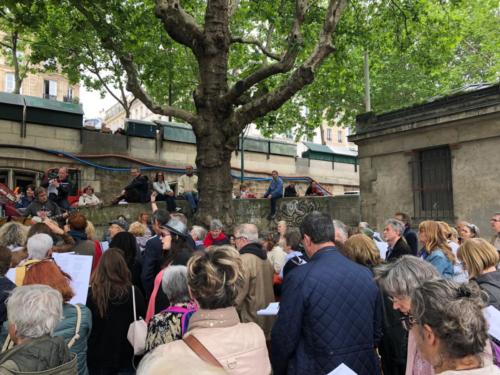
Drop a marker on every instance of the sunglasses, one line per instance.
(408, 322)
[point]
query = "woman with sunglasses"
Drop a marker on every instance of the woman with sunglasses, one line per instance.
(77, 318)
(398, 279)
(176, 252)
(450, 329)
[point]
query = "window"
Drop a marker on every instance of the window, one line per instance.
(339, 136)
(10, 82)
(50, 89)
(432, 184)
(328, 134)
(69, 95)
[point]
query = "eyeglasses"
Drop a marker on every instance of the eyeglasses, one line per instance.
(240, 238)
(408, 322)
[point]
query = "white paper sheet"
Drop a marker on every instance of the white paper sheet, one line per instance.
(272, 309)
(78, 267)
(492, 316)
(342, 370)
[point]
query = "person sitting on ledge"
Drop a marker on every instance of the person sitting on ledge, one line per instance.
(165, 193)
(188, 188)
(290, 190)
(88, 198)
(274, 192)
(137, 190)
(314, 190)
(245, 192)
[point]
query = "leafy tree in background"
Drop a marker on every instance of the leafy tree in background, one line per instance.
(222, 64)
(18, 22)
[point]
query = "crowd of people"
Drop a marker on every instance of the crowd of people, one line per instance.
(402, 301)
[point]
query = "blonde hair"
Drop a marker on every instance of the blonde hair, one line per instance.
(436, 238)
(137, 229)
(214, 276)
(477, 255)
(361, 249)
(90, 230)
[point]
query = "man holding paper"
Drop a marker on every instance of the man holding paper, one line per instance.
(330, 310)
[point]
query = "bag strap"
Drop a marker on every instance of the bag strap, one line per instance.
(133, 302)
(77, 328)
(201, 351)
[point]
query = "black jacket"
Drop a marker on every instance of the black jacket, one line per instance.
(6, 287)
(400, 248)
(412, 240)
(490, 283)
(49, 206)
(141, 185)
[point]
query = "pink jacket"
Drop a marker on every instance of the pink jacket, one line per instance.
(239, 347)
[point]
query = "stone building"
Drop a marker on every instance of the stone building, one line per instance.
(436, 160)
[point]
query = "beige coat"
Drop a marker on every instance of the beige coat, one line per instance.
(256, 292)
(187, 184)
(239, 347)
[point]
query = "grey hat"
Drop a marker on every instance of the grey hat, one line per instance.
(176, 226)
(121, 223)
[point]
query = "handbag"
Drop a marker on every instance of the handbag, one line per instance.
(137, 331)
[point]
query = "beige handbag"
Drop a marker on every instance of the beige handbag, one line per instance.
(137, 331)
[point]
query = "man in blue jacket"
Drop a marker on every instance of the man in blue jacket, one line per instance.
(274, 192)
(330, 310)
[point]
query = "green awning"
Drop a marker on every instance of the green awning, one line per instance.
(314, 147)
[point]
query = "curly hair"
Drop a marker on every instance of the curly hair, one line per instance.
(214, 277)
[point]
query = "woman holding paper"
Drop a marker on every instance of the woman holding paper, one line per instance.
(77, 318)
(450, 329)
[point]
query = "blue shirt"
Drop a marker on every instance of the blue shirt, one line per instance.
(275, 188)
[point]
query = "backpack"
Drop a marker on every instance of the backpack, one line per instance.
(186, 312)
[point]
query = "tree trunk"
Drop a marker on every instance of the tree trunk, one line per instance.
(215, 185)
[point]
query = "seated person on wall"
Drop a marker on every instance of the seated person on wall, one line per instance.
(41, 206)
(290, 190)
(88, 198)
(137, 191)
(33, 312)
(164, 192)
(245, 192)
(24, 200)
(274, 192)
(188, 188)
(314, 190)
(59, 188)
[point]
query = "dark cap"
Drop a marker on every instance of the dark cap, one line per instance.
(177, 227)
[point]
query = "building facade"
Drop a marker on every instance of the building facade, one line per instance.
(436, 160)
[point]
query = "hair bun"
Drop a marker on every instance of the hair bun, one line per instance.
(464, 292)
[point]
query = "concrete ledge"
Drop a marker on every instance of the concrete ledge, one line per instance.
(292, 210)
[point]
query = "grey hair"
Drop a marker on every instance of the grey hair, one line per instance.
(175, 285)
(39, 245)
(396, 224)
(200, 232)
(341, 231)
(216, 224)
(13, 234)
(402, 276)
(453, 311)
(249, 231)
(35, 310)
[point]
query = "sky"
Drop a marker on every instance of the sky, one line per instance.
(93, 104)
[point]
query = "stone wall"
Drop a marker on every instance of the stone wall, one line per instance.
(292, 210)
(469, 124)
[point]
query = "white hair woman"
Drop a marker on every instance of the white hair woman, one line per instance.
(171, 324)
(398, 279)
(450, 329)
(33, 313)
(240, 348)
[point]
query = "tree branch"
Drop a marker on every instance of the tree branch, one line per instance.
(284, 65)
(180, 25)
(257, 43)
(302, 76)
